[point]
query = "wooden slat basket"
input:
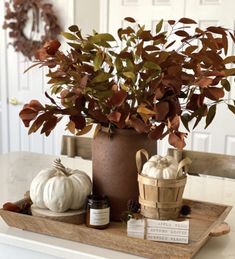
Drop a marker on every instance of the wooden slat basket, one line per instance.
(159, 198)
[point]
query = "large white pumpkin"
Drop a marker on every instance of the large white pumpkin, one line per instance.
(161, 168)
(60, 189)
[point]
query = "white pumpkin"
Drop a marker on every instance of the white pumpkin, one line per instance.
(60, 189)
(161, 167)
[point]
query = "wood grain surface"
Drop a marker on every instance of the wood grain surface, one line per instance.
(207, 163)
(72, 216)
(205, 217)
(76, 146)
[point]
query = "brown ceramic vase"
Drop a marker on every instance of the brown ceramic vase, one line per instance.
(114, 166)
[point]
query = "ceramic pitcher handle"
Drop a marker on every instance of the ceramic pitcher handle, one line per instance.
(139, 159)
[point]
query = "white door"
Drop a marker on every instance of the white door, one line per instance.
(3, 88)
(19, 88)
(220, 136)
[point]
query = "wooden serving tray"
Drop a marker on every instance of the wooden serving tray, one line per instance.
(206, 220)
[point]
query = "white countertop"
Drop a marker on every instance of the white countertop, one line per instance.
(18, 169)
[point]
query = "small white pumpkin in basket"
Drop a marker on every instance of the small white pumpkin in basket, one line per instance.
(166, 167)
(60, 189)
(162, 167)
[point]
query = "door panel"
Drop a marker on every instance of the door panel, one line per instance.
(220, 136)
(23, 87)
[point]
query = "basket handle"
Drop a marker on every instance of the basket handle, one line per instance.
(186, 162)
(138, 159)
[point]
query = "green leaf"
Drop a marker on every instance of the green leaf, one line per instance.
(98, 60)
(199, 117)
(152, 65)
(226, 85)
(198, 114)
(159, 26)
(69, 36)
(118, 64)
(130, 65)
(130, 75)
(231, 108)
(185, 121)
(74, 45)
(210, 115)
(55, 89)
(101, 37)
(101, 77)
(73, 28)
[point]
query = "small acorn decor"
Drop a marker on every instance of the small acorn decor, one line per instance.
(60, 189)
(161, 185)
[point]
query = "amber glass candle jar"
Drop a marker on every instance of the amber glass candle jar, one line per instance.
(97, 212)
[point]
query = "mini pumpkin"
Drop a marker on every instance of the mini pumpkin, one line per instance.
(60, 189)
(161, 167)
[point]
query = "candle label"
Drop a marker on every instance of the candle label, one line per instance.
(99, 217)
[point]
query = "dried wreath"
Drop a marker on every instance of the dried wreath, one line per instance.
(17, 17)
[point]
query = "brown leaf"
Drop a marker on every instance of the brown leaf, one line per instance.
(36, 105)
(176, 139)
(28, 114)
(195, 102)
(114, 116)
(11, 207)
(171, 22)
(79, 121)
(161, 109)
(157, 132)
(187, 21)
(174, 122)
(41, 54)
(52, 47)
(71, 127)
(85, 130)
(215, 29)
(229, 72)
(98, 116)
(40, 120)
(138, 125)
(214, 73)
(49, 125)
(204, 82)
(190, 49)
(83, 82)
(182, 33)
(214, 93)
(130, 19)
(229, 59)
(146, 36)
(118, 98)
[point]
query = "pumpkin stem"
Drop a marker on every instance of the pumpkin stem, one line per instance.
(59, 166)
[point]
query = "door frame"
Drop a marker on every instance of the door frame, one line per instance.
(4, 124)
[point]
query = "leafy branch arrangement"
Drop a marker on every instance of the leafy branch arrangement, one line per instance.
(151, 84)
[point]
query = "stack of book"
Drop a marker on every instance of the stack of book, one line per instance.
(159, 230)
